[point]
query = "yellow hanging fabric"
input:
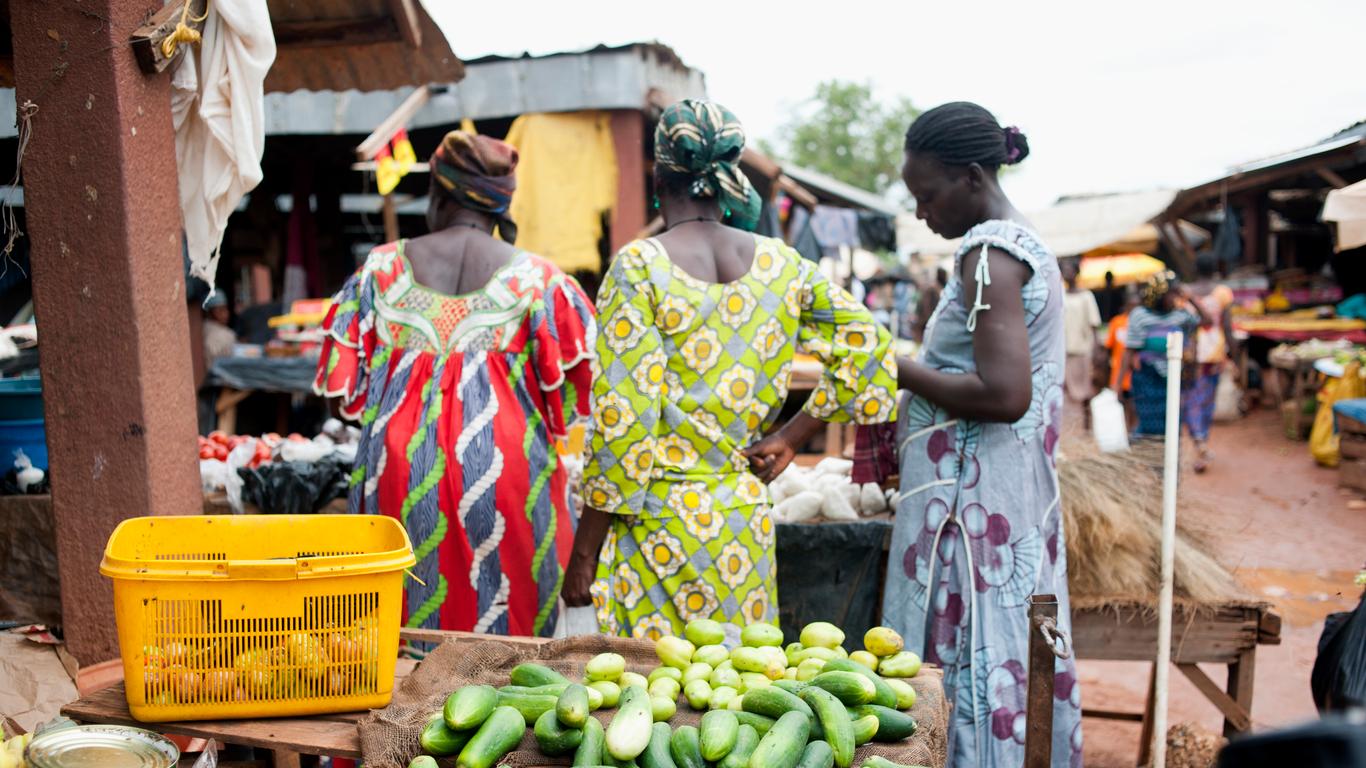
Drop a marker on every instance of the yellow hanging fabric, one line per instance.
(1323, 439)
(183, 32)
(566, 183)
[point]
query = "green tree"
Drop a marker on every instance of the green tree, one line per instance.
(845, 132)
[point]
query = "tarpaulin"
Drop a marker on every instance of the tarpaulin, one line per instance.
(268, 374)
(831, 572)
(566, 184)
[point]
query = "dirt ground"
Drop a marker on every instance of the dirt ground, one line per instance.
(1293, 539)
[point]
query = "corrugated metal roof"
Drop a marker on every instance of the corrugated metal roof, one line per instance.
(828, 188)
(369, 66)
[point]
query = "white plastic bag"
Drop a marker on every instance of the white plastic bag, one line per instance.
(239, 457)
(1108, 423)
(871, 499)
(580, 620)
(1228, 397)
(833, 465)
(799, 507)
(836, 504)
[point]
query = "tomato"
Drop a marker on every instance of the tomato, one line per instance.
(237, 440)
(295, 437)
(220, 452)
(207, 452)
(219, 437)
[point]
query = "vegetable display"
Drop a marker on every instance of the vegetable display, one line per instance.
(806, 705)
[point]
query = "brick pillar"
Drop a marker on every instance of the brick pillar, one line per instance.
(109, 290)
(630, 214)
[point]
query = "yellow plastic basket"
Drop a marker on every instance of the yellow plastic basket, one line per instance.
(257, 615)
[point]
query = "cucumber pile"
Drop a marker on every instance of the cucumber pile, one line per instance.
(809, 705)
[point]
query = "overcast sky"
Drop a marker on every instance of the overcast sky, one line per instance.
(1112, 96)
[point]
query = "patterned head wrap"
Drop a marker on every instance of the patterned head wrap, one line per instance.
(1157, 288)
(479, 173)
(702, 140)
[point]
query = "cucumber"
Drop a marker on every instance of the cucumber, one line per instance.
(673, 673)
(629, 732)
(891, 724)
(817, 754)
(469, 707)
(782, 746)
(550, 689)
(605, 666)
(533, 675)
(686, 748)
(438, 739)
(878, 761)
(886, 695)
(531, 705)
(611, 762)
(553, 737)
(656, 754)
(719, 730)
(774, 702)
(865, 728)
(791, 686)
(836, 728)
(423, 761)
(905, 694)
(851, 688)
(760, 723)
(589, 752)
(572, 706)
(498, 736)
(663, 709)
(608, 690)
(746, 739)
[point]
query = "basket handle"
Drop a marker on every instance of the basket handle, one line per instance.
(284, 568)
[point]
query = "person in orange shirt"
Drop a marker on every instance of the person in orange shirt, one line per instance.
(1120, 379)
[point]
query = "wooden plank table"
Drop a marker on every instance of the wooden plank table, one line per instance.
(1227, 635)
(288, 738)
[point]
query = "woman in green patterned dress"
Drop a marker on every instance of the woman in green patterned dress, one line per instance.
(697, 334)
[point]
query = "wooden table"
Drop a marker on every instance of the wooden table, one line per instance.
(292, 741)
(1227, 635)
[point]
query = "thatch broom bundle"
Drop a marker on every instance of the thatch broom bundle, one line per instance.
(1112, 513)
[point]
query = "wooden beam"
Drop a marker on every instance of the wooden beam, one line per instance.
(147, 39)
(1240, 677)
(409, 24)
(389, 212)
(371, 166)
(797, 192)
(1145, 738)
(1327, 174)
(1234, 712)
(331, 32)
(1110, 714)
(378, 138)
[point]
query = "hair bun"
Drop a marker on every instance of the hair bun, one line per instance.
(1017, 146)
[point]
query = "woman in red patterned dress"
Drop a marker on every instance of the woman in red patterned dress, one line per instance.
(464, 359)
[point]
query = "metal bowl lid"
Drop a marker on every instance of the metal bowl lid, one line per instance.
(102, 746)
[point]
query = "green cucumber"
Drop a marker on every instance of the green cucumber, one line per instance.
(423, 761)
(656, 754)
(611, 762)
(851, 688)
(719, 729)
(438, 739)
(531, 705)
(817, 754)
(589, 752)
(469, 707)
(549, 689)
(686, 748)
(572, 707)
(836, 729)
(905, 694)
(534, 675)
(746, 739)
(878, 761)
(774, 702)
(791, 686)
(886, 695)
(760, 723)
(499, 735)
(553, 737)
(629, 732)
(865, 728)
(891, 724)
(782, 746)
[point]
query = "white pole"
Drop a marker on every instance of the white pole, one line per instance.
(1170, 472)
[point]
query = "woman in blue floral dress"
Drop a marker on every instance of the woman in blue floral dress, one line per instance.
(978, 527)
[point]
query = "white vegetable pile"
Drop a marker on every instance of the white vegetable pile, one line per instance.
(825, 490)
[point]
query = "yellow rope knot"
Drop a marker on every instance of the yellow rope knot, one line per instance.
(183, 32)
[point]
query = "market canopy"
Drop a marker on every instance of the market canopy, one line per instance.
(1127, 269)
(1072, 226)
(1347, 208)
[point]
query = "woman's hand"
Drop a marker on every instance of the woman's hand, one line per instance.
(578, 581)
(770, 456)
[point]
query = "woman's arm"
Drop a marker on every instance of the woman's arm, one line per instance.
(583, 559)
(1000, 389)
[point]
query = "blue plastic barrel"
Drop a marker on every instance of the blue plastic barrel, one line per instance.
(21, 422)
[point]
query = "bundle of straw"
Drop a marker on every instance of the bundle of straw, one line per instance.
(1112, 513)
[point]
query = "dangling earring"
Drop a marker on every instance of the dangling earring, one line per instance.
(725, 212)
(655, 202)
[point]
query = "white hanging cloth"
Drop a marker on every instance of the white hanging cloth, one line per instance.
(218, 109)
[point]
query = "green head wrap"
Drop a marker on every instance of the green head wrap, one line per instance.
(702, 141)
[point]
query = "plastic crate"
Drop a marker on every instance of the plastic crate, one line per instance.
(257, 615)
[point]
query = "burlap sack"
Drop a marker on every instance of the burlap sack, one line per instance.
(388, 736)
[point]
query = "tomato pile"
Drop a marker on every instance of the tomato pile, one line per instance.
(219, 444)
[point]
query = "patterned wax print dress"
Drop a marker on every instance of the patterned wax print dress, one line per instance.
(460, 400)
(978, 527)
(689, 373)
